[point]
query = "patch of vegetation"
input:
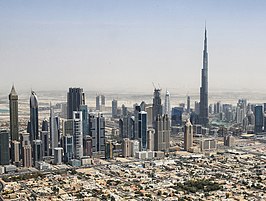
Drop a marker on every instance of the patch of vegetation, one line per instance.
(193, 186)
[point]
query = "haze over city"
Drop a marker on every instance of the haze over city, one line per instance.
(132, 100)
(126, 45)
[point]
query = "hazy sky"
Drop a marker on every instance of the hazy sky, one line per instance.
(128, 44)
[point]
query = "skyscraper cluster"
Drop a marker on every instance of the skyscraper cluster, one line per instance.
(147, 127)
(81, 135)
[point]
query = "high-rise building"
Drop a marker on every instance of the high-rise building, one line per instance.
(97, 132)
(85, 119)
(240, 115)
(210, 109)
(4, 147)
(167, 105)
(177, 116)
(114, 108)
(45, 143)
(134, 147)
(142, 130)
(258, 119)
(45, 125)
(197, 107)
(136, 121)
(68, 146)
(13, 112)
(251, 117)
(75, 98)
(127, 127)
(54, 131)
(162, 133)
(149, 109)
(188, 135)
(204, 106)
(124, 110)
(126, 147)
(109, 150)
(87, 146)
(194, 118)
(157, 104)
(100, 103)
(27, 156)
(34, 119)
(58, 155)
(37, 151)
(15, 152)
(188, 104)
(26, 151)
(142, 105)
(78, 134)
(150, 139)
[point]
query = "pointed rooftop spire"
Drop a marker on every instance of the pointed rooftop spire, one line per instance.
(13, 91)
(205, 37)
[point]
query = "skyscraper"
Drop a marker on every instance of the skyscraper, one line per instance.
(258, 119)
(27, 155)
(37, 151)
(68, 145)
(85, 119)
(177, 116)
(167, 106)
(188, 104)
(58, 155)
(45, 138)
(97, 132)
(75, 98)
(54, 131)
(4, 147)
(204, 113)
(188, 135)
(157, 104)
(26, 150)
(45, 143)
(15, 152)
(34, 125)
(114, 108)
(162, 133)
(100, 102)
(45, 125)
(142, 130)
(78, 134)
(150, 139)
(13, 111)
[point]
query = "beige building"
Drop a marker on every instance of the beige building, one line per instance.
(188, 135)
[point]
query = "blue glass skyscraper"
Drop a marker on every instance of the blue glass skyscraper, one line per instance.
(142, 130)
(258, 119)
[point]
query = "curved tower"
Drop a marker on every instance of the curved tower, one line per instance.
(34, 126)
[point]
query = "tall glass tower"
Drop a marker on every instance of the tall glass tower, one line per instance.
(34, 126)
(75, 98)
(204, 113)
(167, 106)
